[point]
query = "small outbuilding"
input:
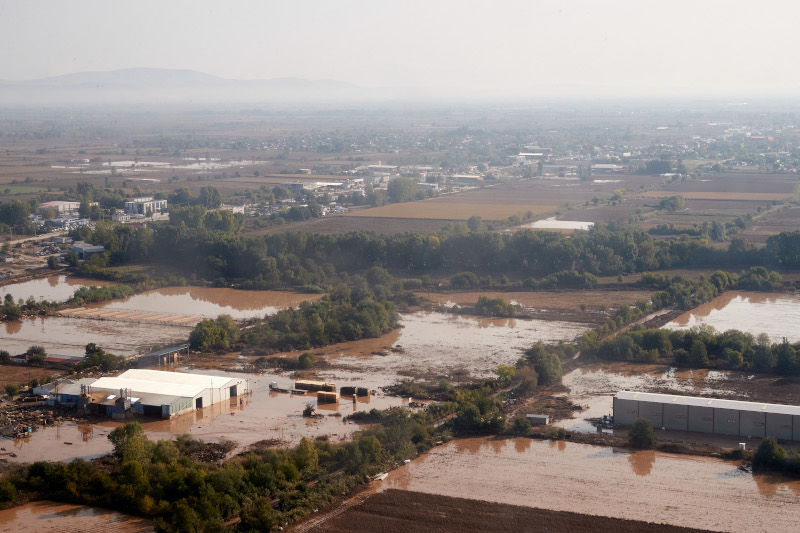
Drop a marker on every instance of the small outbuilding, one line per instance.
(538, 420)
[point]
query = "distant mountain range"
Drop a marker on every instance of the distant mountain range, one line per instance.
(151, 85)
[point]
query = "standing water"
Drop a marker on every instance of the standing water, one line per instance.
(681, 490)
(777, 315)
(41, 516)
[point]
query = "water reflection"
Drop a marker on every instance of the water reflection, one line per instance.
(498, 444)
(55, 288)
(642, 462)
(211, 302)
(522, 445)
(13, 327)
(752, 312)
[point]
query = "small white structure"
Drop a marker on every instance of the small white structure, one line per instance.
(538, 420)
(120, 216)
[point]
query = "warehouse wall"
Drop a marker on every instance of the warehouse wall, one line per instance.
(653, 412)
(726, 421)
(752, 423)
(676, 416)
(701, 419)
(779, 426)
(625, 411)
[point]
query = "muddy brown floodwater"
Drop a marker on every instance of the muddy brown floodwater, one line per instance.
(209, 302)
(55, 288)
(69, 336)
(683, 490)
(431, 344)
(593, 387)
(601, 299)
(777, 315)
(53, 516)
(263, 415)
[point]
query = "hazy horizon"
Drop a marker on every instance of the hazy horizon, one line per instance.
(468, 49)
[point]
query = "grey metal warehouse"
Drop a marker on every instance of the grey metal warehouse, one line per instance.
(709, 415)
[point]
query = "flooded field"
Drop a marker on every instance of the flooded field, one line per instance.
(777, 315)
(208, 302)
(264, 415)
(55, 288)
(594, 387)
(439, 344)
(680, 490)
(69, 336)
(592, 300)
(63, 517)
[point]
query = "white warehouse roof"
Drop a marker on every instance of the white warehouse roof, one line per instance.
(709, 402)
(174, 384)
(148, 387)
(179, 378)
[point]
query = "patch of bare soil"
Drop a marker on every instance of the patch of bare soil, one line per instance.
(402, 511)
(343, 224)
(22, 375)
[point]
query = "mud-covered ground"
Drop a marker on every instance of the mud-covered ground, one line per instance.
(402, 511)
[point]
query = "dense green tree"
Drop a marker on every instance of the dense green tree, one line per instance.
(698, 354)
(402, 190)
(546, 364)
(672, 203)
(641, 434)
(210, 197)
(769, 454)
(12, 390)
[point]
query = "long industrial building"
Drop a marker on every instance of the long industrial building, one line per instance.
(151, 393)
(709, 415)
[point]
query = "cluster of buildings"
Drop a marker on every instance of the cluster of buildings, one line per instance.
(144, 392)
(60, 215)
(65, 215)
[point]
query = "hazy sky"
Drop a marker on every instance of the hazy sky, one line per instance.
(468, 47)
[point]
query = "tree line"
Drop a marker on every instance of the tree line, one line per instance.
(208, 245)
(346, 314)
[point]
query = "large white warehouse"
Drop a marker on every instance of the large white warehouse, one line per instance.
(161, 394)
(709, 415)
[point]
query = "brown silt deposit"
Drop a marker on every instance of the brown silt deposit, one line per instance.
(685, 491)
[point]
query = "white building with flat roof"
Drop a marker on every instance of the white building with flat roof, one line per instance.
(145, 206)
(62, 207)
(162, 394)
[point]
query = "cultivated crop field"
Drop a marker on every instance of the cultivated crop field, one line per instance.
(737, 182)
(344, 224)
(437, 209)
(721, 195)
(539, 196)
(774, 222)
(400, 511)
